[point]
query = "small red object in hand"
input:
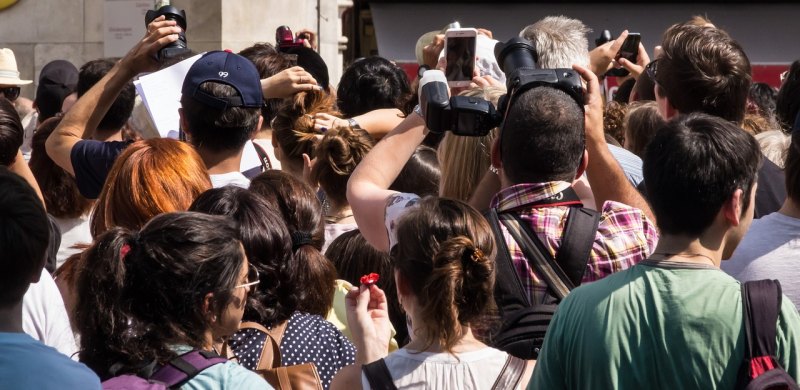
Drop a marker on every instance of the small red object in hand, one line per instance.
(370, 279)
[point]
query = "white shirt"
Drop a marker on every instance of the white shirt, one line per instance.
(333, 230)
(427, 370)
(73, 231)
(44, 316)
(229, 179)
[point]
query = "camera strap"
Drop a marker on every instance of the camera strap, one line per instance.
(563, 272)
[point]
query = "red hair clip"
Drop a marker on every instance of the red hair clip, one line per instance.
(124, 251)
(370, 279)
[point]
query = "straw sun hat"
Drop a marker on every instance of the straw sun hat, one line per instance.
(9, 75)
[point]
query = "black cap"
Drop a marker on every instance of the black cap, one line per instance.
(57, 80)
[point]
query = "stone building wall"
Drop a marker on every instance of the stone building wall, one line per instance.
(39, 31)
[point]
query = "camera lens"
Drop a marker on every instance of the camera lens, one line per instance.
(515, 54)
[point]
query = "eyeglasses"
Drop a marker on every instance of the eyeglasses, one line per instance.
(11, 93)
(252, 277)
(652, 69)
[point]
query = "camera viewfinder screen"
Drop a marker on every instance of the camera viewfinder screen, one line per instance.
(460, 58)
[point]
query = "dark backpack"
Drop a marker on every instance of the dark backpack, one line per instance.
(173, 375)
(761, 302)
(525, 323)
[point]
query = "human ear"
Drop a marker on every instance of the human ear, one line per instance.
(732, 208)
(208, 307)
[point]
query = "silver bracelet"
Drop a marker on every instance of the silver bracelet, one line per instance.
(418, 111)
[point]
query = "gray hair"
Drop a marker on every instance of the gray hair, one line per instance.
(560, 41)
(775, 145)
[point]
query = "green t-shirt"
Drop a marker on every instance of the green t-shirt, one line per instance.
(658, 325)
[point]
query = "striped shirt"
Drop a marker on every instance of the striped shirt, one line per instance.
(624, 236)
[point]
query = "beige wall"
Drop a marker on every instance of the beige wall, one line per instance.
(39, 31)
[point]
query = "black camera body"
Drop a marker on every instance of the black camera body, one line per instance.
(471, 116)
(179, 47)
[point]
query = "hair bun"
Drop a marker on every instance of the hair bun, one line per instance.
(473, 254)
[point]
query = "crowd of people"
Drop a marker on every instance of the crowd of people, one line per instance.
(581, 244)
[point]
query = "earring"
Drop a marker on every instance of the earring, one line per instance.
(214, 318)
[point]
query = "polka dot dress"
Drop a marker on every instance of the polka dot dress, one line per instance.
(307, 339)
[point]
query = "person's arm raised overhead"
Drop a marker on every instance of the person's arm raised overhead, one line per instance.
(288, 82)
(85, 115)
(377, 123)
(368, 187)
(606, 177)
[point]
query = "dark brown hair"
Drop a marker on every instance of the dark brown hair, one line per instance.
(268, 246)
(11, 132)
(293, 127)
(613, 118)
(445, 252)
(215, 129)
(703, 69)
(311, 274)
(641, 123)
(61, 195)
(353, 257)
(139, 293)
(269, 62)
(338, 153)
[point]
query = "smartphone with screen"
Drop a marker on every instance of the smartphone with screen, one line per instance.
(460, 46)
(628, 51)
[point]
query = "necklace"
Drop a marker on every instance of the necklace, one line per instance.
(665, 255)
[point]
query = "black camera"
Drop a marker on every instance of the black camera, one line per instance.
(179, 47)
(470, 116)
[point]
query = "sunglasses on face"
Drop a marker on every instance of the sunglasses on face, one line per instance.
(10, 93)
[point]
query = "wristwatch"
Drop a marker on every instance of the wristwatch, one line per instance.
(353, 124)
(422, 68)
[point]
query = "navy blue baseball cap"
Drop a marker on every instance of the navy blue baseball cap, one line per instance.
(226, 68)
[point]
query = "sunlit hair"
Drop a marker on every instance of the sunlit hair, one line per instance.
(444, 251)
(149, 178)
(338, 153)
(560, 41)
(464, 160)
(293, 126)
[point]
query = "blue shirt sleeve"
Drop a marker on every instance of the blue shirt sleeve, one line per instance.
(92, 161)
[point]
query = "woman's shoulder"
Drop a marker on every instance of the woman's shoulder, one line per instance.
(305, 325)
(228, 375)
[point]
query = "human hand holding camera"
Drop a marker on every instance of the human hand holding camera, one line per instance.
(143, 56)
(593, 106)
(601, 58)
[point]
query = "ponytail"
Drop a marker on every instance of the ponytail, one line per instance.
(314, 279)
(101, 315)
(461, 272)
(338, 153)
(444, 250)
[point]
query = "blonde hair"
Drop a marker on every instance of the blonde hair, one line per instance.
(464, 160)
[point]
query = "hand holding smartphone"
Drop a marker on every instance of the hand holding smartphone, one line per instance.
(628, 51)
(460, 47)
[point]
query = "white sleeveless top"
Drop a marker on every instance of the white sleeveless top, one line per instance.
(476, 370)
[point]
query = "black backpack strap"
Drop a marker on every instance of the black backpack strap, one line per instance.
(509, 294)
(576, 242)
(378, 375)
(538, 256)
(266, 163)
(761, 301)
(185, 367)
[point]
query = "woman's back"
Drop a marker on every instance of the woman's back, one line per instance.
(478, 369)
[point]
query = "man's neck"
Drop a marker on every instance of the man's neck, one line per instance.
(701, 250)
(790, 208)
(107, 136)
(219, 162)
(11, 319)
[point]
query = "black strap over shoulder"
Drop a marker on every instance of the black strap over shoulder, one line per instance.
(510, 294)
(378, 375)
(576, 243)
(761, 300)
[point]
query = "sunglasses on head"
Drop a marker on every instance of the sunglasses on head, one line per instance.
(11, 93)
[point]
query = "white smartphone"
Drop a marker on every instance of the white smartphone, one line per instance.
(460, 46)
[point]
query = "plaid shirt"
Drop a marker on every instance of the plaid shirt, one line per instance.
(624, 236)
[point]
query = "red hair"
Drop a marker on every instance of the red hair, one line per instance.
(149, 178)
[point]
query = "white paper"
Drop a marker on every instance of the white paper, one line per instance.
(161, 95)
